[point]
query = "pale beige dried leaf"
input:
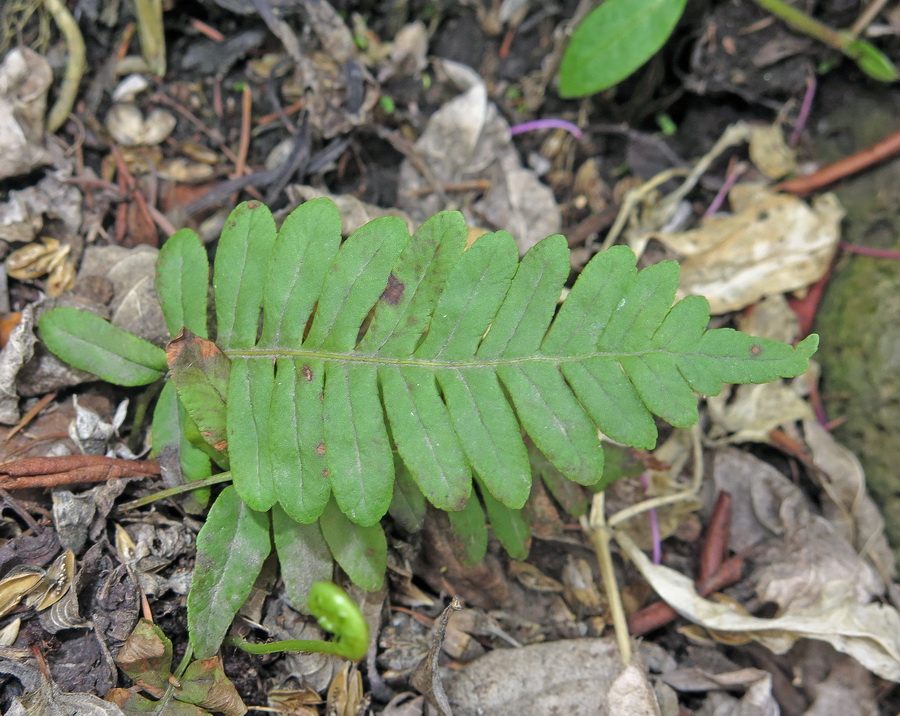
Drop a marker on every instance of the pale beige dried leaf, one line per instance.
(749, 413)
(849, 505)
(10, 632)
(870, 633)
(770, 153)
(16, 584)
(773, 243)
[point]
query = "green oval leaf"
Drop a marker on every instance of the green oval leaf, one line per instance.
(613, 41)
(231, 549)
(182, 282)
(361, 551)
(91, 343)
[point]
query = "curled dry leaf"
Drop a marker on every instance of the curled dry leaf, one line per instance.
(25, 78)
(773, 243)
(870, 633)
(770, 153)
(127, 125)
(748, 413)
(15, 585)
(849, 506)
(55, 582)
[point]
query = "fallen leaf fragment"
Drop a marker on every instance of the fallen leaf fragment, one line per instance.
(25, 78)
(773, 243)
(870, 633)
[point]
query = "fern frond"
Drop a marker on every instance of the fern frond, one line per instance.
(389, 342)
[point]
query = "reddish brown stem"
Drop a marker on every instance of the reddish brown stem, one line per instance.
(658, 614)
(54, 471)
(878, 152)
(715, 545)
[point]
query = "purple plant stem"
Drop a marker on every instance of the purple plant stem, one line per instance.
(654, 523)
(546, 124)
(730, 181)
(805, 108)
(866, 251)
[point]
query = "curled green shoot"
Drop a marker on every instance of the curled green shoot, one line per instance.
(337, 613)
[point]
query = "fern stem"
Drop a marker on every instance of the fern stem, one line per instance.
(177, 490)
(600, 539)
(663, 500)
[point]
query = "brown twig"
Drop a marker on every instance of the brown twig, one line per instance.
(868, 157)
(715, 545)
(658, 614)
(31, 414)
(55, 471)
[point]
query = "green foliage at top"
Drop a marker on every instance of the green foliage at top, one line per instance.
(350, 377)
(613, 41)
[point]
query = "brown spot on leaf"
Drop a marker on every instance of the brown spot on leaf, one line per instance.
(756, 350)
(254, 204)
(394, 291)
(325, 472)
(307, 373)
(320, 448)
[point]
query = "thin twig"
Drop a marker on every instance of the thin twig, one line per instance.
(867, 17)
(177, 490)
(878, 152)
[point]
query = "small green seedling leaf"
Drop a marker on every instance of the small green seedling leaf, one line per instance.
(613, 41)
(170, 441)
(95, 345)
(408, 508)
(231, 549)
(872, 61)
(509, 527)
(469, 532)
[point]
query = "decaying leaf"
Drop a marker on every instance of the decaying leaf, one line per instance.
(15, 585)
(146, 658)
(773, 243)
(870, 633)
(25, 78)
(43, 696)
(467, 139)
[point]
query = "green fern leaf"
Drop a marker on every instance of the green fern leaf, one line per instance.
(388, 345)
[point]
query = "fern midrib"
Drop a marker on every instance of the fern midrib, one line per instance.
(413, 362)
